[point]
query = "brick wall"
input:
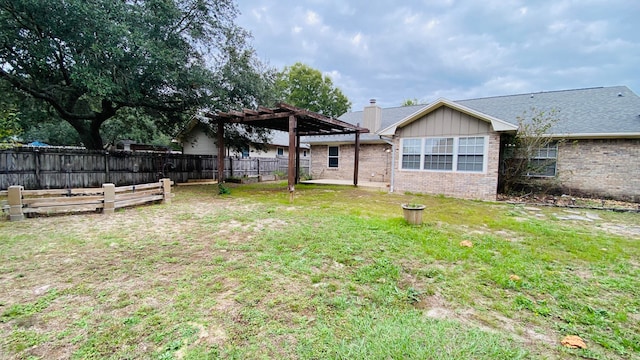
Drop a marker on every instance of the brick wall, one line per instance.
(374, 165)
(603, 168)
(455, 184)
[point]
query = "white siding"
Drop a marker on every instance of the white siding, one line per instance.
(197, 142)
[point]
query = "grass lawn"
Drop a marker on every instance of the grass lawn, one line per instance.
(337, 274)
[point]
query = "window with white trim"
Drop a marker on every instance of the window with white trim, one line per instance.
(463, 154)
(280, 151)
(334, 154)
(411, 149)
(470, 154)
(544, 161)
(438, 154)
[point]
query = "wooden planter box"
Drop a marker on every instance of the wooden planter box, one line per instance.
(413, 213)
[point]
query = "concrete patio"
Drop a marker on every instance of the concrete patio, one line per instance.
(380, 186)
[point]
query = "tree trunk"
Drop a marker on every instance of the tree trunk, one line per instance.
(89, 132)
(91, 138)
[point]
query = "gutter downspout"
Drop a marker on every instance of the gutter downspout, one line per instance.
(393, 160)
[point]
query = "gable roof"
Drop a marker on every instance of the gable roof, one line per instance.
(497, 124)
(600, 112)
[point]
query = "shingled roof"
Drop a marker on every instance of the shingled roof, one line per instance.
(593, 112)
(389, 117)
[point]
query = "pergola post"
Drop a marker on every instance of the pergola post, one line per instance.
(292, 151)
(220, 151)
(297, 157)
(357, 158)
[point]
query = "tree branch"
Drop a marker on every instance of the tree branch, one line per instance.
(177, 28)
(60, 59)
(49, 98)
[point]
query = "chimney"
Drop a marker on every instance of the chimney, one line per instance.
(372, 116)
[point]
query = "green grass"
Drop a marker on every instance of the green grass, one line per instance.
(337, 274)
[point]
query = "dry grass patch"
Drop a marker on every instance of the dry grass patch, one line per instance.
(337, 274)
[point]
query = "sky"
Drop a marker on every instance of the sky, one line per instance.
(455, 49)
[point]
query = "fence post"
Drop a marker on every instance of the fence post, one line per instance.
(36, 161)
(15, 203)
(166, 190)
(109, 198)
(106, 166)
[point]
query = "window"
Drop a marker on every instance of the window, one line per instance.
(438, 154)
(411, 153)
(280, 151)
(333, 156)
(444, 154)
(470, 154)
(544, 161)
(245, 152)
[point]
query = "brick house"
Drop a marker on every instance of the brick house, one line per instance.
(453, 147)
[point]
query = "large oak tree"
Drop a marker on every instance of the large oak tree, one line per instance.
(90, 59)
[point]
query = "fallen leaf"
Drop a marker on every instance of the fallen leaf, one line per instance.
(573, 342)
(514, 277)
(466, 243)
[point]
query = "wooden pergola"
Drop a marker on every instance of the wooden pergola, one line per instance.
(297, 122)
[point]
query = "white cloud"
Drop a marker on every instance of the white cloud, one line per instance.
(506, 85)
(582, 71)
(457, 49)
(358, 41)
(334, 75)
(557, 27)
(312, 18)
(410, 19)
(310, 46)
(559, 8)
(431, 24)
(613, 47)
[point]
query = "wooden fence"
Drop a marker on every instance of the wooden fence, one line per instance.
(46, 168)
(22, 202)
(239, 167)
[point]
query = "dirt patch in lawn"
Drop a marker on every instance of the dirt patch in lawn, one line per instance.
(436, 307)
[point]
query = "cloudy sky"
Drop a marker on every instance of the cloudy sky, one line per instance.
(457, 49)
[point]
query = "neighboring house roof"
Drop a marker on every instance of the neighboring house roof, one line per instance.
(603, 112)
(278, 138)
(281, 139)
